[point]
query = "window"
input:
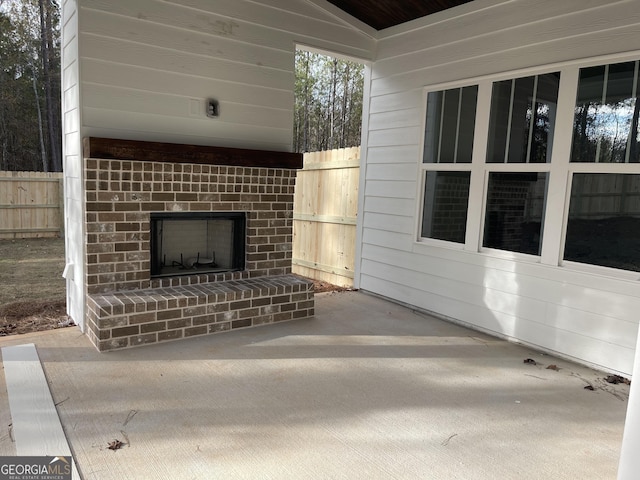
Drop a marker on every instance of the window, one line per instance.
(450, 123)
(522, 118)
(515, 208)
(603, 221)
(521, 125)
(502, 191)
(446, 198)
(448, 148)
(605, 127)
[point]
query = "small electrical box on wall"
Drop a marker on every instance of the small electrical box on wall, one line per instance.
(213, 108)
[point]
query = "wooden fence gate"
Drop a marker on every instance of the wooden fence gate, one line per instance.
(31, 205)
(324, 216)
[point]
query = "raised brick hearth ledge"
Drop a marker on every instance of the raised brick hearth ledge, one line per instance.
(137, 317)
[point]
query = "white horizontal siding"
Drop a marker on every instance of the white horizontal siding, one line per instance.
(124, 54)
(392, 189)
(528, 302)
(397, 171)
(487, 18)
(148, 67)
(581, 348)
(530, 281)
(394, 119)
(72, 161)
(388, 154)
(395, 101)
(388, 240)
(395, 136)
(589, 317)
(510, 29)
(162, 128)
(391, 206)
(390, 223)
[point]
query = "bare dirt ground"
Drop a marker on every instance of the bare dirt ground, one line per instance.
(32, 290)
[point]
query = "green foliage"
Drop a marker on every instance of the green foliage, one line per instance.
(29, 108)
(328, 102)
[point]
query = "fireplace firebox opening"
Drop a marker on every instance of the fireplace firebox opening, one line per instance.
(188, 243)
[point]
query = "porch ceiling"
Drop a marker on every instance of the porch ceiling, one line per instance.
(381, 14)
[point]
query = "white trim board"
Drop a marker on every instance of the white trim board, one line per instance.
(36, 427)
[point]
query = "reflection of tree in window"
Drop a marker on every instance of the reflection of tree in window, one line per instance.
(604, 220)
(522, 119)
(448, 139)
(607, 109)
(450, 125)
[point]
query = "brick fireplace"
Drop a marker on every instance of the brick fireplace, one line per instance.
(128, 183)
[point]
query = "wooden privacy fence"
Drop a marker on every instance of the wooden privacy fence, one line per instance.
(31, 205)
(324, 216)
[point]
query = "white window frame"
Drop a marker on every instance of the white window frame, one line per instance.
(559, 170)
(441, 167)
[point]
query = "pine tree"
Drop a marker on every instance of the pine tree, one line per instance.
(328, 102)
(30, 124)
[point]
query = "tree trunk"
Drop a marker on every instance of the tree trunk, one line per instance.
(46, 46)
(332, 107)
(43, 152)
(307, 100)
(4, 134)
(633, 147)
(345, 104)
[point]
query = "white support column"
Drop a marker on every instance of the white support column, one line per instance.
(629, 465)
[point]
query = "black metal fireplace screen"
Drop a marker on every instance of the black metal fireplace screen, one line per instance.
(187, 243)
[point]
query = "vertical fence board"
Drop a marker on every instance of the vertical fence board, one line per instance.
(325, 210)
(30, 204)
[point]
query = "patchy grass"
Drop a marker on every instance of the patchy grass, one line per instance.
(32, 290)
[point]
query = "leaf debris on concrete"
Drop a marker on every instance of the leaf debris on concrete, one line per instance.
(115, 445)
(616, 379)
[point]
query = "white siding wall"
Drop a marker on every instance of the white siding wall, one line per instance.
(72, 156)
(147, 67)
(588, 316)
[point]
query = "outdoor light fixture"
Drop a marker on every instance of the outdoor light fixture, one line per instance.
(213, 108)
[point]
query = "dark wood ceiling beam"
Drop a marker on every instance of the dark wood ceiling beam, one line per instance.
(116, 149)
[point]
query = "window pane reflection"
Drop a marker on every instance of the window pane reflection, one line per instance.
(604, 220)
(605, 127)
(515, 209)
(522, 119)
(446, 199)
(450, 124)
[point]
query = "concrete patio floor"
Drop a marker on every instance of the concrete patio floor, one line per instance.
(366, 389)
